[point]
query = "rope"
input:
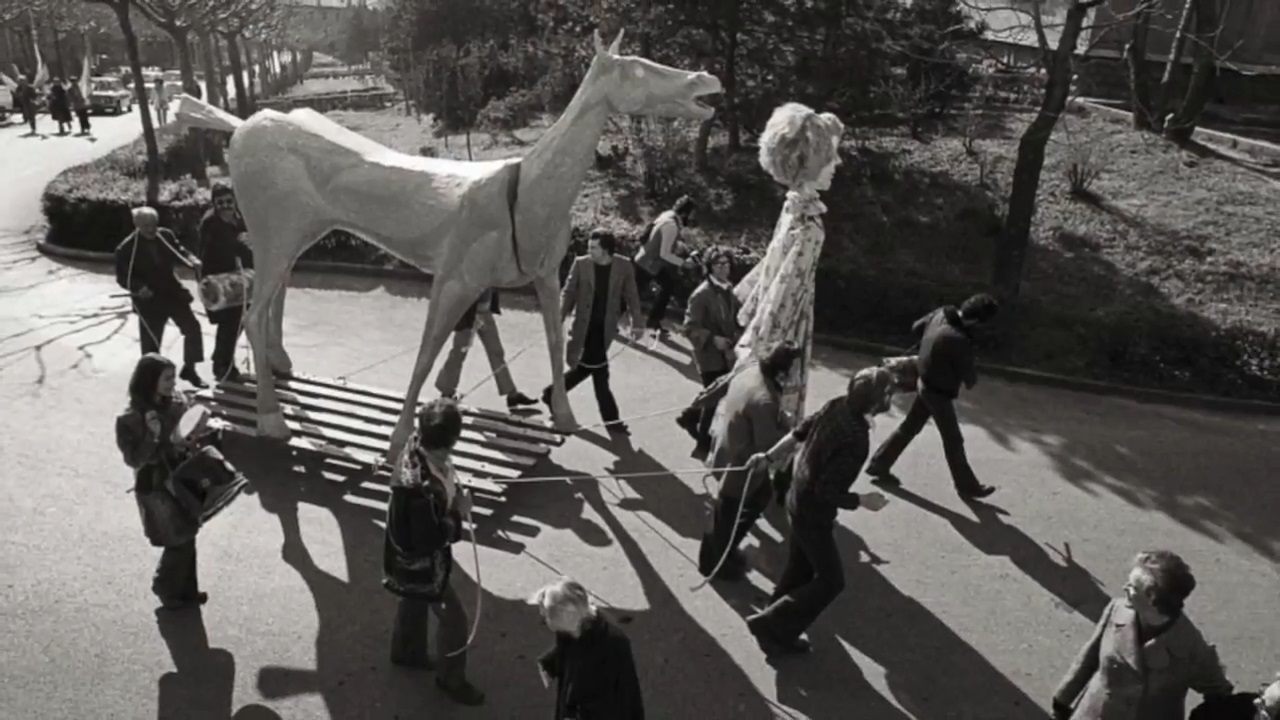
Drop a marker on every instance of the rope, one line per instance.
(642, 416)
(376, 363)
(475, 553)
(737, 522)
(497, 370)
(621, 476)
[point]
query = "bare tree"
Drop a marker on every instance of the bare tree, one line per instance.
(232, 26)
(122, 10)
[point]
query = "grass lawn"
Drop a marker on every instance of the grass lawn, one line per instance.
(326, 86)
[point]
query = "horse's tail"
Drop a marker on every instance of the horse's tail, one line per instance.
(193, 112)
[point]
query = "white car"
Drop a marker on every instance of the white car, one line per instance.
(109, 95)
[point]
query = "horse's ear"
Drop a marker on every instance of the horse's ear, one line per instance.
(599, 43)
(617, 43)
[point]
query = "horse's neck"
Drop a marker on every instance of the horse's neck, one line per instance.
(552, 172)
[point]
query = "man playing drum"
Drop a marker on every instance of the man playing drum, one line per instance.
(225, 257)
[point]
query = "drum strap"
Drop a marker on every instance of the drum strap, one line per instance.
(513, 196)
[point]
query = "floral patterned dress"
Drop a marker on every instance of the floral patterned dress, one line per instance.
(777, 295)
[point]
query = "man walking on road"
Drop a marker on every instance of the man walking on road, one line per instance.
(946, 361)
(662, 257)
(479, 321)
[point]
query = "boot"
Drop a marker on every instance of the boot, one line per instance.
(190, 375)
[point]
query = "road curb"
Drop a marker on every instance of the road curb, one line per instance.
(1021, 375)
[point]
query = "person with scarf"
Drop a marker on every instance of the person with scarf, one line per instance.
(145, 267)
(826, 453)
(711, 323)
(223, 250)
(591, 661)
(60, 106)
(945, 361)
(177, 485)
(751, 421)
(424, 519)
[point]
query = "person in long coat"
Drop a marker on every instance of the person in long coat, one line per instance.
(1145, 653)
(424, 519)
(177, 487)
(223, 250)
(591, 661)
(60, 106)
(711, 323)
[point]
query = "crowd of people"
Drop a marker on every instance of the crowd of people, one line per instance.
(66, 98)
(752, 347)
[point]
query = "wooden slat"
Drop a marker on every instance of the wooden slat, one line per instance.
(343, 438)
(337, 421)
(469, 433)
(382, 400)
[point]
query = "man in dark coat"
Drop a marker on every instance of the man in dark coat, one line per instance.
(145, 267)
(24, 98)
(591, 661)
(224, 250)
(598, 285)
(946, 361)
(752, 421)
(711, 322)
(479, 320)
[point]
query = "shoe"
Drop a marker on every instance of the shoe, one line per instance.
(421, 662)
(688, 421)
(977, 493)
(518, 399)
(449, 396)
(546, 397)
(227, 375)
(199, 598)
(190, 375)
(771, 644)
(617, 428)
(461, 692)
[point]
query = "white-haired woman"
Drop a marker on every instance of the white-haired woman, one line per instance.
(591, 661)
(799, 148)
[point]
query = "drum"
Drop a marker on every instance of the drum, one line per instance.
(226, 290)
(193, 423)
(205, 483)
(905, 370)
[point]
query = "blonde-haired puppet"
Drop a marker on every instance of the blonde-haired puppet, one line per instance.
(800, 149)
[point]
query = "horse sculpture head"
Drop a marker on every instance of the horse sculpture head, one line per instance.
(633, 85)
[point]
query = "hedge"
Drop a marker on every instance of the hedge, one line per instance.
(864, 289)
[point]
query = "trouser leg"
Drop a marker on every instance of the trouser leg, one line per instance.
(708, 412)
(491, 340)
(891, 449)
(452, 636)
(409, 633)
(175, 577)
(451, 369)
(604, 394)
(666, 285)
(152, 317)
(192, 339)
(797, 608)
(224, 342)
(943, 411)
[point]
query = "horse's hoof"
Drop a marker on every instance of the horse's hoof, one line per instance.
(272, 425)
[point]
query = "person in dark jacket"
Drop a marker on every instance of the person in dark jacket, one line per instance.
(145, 267)
(60, 106)
(424, 518)
(479, 320)
(24, 98)
(591, 661)
(79, 105)
(223, 250)
(752, 421)
(711, 322)
(177, 486)
(826, 452)
(662, 256)
(945, 362)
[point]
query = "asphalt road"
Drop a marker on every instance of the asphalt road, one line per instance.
(950, 612)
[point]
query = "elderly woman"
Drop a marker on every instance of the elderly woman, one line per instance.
(177, 484)
(1145, 653)
(799, 148)
(591, 660)
(825, 452)
(424, 519)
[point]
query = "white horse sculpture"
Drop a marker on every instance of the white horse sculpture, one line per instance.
(473, 225)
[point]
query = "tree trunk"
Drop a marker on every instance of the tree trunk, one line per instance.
(293, 62)
(700, 146)
(251, 67)
(212, 91)
(1135, 53)
(220, 56)
(144, 112)
(1182, 125)
(1011, 247)
(57, 53)
(732, 122)
(195, 138)
(237, 75)
(1165, 91)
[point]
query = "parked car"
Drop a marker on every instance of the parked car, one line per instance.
(173, 83)
(109, 95)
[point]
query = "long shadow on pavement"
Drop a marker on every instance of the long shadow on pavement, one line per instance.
(202, 684)
(679, 662)
(929, 670)
(1069, 582)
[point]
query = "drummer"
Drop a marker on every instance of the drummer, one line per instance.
(223, 250)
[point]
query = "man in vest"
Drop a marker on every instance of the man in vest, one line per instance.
(663, 255)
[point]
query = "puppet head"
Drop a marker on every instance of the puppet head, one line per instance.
(800, 148)
(636, 86)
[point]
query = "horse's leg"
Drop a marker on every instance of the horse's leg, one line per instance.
(281, 363)
(548, 290)
(269, 281)
(449, 301)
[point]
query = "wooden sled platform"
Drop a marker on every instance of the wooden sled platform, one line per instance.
(353, 423)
